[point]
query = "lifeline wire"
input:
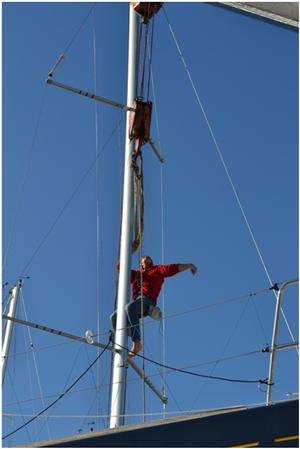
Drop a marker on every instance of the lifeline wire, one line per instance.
(195, 365)
(225, 168)
(264, 381)
(203, 307)
(60, 396)
(196, 309)
(128, 415)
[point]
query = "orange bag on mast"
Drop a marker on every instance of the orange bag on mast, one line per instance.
(140, 120)
(146, 9)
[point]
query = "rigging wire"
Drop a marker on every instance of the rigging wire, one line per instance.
(159, 373)
(223, 351)
(6, 298)
(79, 28)
(60, 396)
(140, 209)
(226, 359)
(225, 168)
(67, 203)
(33, 357)
(163, 323)
(150, 53)
(25, 179)
(259, 321)
(145, 31)
(12, 376)
(97, 388)
(5, 305)
(30, 153)
(97, 199)
(216, 304)
(138, 55)
(217, 146)
(143, 67)
(18, 402)
(66, 382)
(41, 348)
(28, 364)
(88, 416)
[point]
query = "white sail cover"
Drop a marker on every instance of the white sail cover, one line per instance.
(284, 12)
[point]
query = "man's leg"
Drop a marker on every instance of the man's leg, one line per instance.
(113, 319)
(133, 312)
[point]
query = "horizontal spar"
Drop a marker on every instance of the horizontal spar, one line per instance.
(88, 341)
(89, 95)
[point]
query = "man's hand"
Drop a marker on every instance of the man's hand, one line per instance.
(193, 268)
(188, 266)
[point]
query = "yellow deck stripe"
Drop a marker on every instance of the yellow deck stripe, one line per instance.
(288, 438)
(247, 444)
(276, 440)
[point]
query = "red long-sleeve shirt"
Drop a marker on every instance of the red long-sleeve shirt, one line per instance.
(152, 279)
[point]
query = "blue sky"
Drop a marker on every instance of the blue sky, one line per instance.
(246, 75)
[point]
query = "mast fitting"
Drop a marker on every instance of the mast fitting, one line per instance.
(60, 59)
(146, 9)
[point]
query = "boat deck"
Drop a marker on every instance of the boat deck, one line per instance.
(264, 426)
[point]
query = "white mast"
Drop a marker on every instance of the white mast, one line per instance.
(119, 365)
(13, 299)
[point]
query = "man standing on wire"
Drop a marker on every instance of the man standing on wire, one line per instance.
(146, 285)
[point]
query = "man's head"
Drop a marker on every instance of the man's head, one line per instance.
(146, 262)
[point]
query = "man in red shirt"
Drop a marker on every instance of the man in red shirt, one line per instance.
(146, 285)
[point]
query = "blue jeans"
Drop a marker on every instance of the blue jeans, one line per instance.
(133, 314)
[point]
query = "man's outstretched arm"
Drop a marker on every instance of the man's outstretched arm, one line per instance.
(187, 266)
